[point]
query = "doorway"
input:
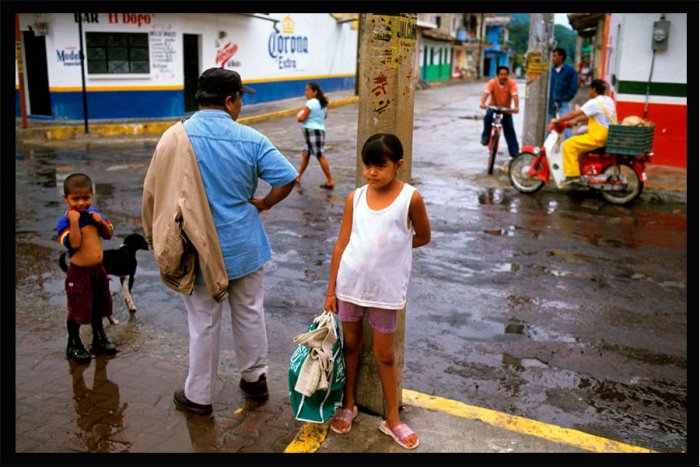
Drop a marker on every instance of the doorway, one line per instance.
(487, 66)
(191, 70)
(37, 74)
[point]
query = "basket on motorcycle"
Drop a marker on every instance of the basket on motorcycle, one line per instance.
(630, 140)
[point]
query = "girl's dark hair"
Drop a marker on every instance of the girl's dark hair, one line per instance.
(319, 94)
(380, 147)
(76, 181)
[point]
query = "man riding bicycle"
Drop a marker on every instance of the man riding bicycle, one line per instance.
(502, 90)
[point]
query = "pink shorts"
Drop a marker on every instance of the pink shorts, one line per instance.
(381, 320)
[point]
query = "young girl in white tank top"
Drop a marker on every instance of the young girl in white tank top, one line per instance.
(382, 222)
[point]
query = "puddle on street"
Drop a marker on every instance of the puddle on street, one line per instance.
(520, 327)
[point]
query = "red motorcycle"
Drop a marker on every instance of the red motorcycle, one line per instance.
(618, 177)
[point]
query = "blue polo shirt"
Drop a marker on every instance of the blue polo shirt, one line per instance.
(231, 158)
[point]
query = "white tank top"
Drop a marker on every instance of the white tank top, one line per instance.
(376, 263)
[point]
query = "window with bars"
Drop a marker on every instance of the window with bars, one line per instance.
(114, 52)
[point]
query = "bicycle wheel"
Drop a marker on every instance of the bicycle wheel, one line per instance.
(493, 148)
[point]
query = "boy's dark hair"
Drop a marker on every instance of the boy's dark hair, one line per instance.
(599, 85)
(380, 147)
(76, 181)
(319, 94)
(502, 67)
(561, 52)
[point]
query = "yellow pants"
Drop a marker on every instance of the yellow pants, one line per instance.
(580, 144)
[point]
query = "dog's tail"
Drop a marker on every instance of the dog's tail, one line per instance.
(62, 262)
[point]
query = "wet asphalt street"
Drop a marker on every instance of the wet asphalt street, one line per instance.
(554, 306)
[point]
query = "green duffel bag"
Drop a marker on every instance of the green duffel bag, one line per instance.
(317, 371)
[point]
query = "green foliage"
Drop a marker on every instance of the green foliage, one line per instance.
(519, 33)
(566, 39)
(519, 18)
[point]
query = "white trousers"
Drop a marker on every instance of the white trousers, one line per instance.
(249, 334)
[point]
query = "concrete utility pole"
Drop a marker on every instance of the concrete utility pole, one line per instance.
(385, 87)
(540, 45)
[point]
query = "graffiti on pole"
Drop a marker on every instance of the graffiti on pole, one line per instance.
(393, 41)
(535, 65)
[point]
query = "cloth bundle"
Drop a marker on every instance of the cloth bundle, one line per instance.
(316, 375)
(317, 368)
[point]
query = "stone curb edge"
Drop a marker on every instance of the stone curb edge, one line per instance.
(311, 436)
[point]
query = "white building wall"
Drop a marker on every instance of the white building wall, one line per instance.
(670, 66)
(330, 47)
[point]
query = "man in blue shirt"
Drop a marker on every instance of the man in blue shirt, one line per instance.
(563, 86)
(231, 158)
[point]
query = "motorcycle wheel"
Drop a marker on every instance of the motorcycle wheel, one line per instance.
(517, 172)
(625, 174)
(493, 148)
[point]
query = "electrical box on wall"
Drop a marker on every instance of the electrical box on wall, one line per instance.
(659, 40)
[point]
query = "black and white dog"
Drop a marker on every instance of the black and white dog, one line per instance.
(120, 262)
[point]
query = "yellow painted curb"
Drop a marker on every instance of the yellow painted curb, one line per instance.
(309, 438)
(345, 101)
(520, 424)
(292, 111)
(64, 132)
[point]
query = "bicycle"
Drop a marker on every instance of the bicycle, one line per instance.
(496, 129)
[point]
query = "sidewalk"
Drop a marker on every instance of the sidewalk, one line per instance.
(445, 426)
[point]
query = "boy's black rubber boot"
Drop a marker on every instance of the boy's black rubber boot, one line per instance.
(76, 351)
(100, 343)
(186, 405)
(256, 391)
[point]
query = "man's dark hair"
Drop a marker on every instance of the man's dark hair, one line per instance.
(502, 67)
(209, 98)
(216, 84)
(76, 181)
(561, 52)
(599, 85)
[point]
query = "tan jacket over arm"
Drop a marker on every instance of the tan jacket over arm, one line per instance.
(177, 220)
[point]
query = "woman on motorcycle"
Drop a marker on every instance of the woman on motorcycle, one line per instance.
(600, 112)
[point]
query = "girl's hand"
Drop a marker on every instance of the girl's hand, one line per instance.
(330, 304)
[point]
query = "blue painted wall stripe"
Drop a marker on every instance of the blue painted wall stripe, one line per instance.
(168, 104)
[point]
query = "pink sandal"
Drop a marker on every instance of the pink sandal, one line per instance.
(400, 433)
(344, 415)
